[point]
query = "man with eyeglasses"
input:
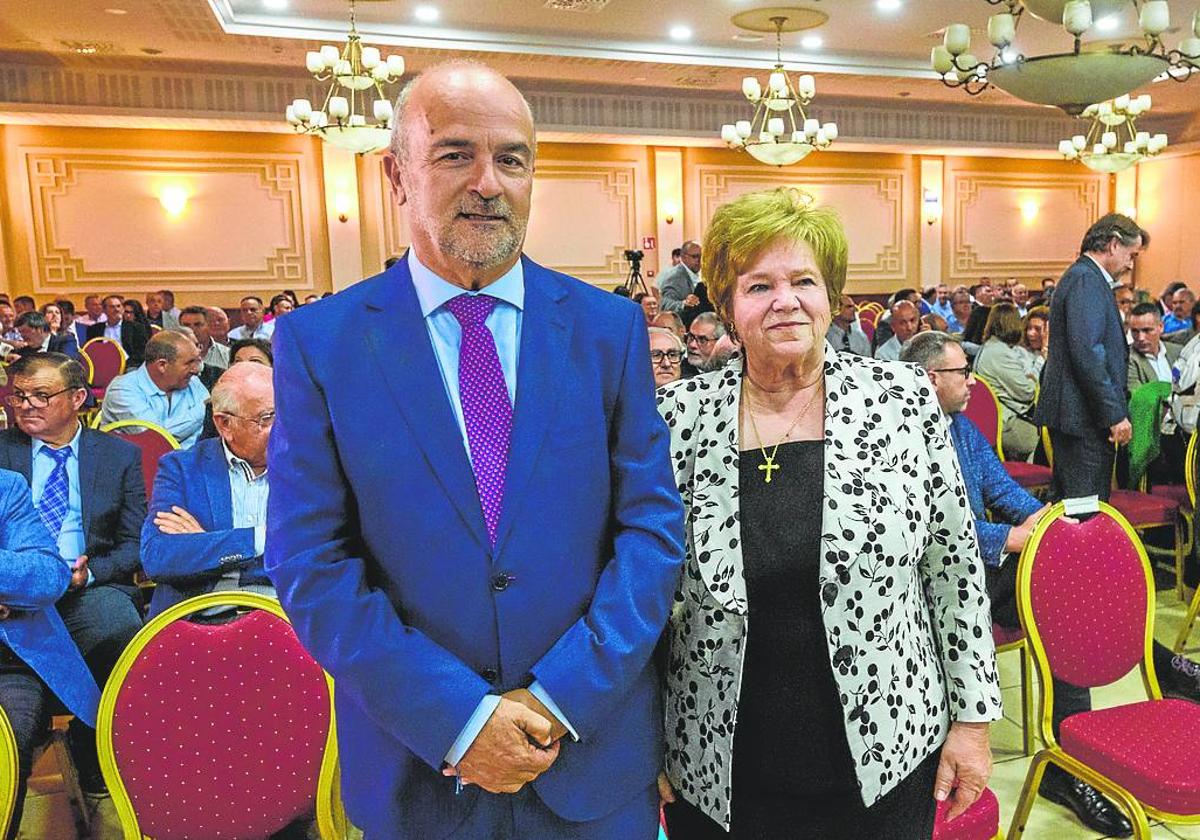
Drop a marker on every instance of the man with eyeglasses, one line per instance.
(678, 283)
(88, 491)
(666, 356)
(206, 527)
(166, 390)
(701, 340)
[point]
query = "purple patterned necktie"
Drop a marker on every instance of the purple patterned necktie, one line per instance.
(486, 408)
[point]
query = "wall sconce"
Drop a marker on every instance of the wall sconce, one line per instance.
(341, 206)
(932, 205)
(670, 211)
(1029, 211)
(174, 199)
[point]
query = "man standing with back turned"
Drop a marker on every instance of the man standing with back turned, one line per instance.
(1083, 385)
(475, 528)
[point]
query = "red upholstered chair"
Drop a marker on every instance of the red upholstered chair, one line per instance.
(1009, 639)
(8, 773)
(104, 360)
(984, 411)
(1085, 594)
(979, 822)
(1191, 475)
(9, 419)
(219, 732)
(153, 440)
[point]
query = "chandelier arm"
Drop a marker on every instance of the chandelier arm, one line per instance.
(1178, 61)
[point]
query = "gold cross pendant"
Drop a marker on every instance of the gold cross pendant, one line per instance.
(769, 467)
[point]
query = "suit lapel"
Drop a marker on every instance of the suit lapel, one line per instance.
(545, 336)
(216, 483)
(398, 340)
(20, 455)
(89, 469)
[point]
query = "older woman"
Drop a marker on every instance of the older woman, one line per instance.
(827, 513)
(1013, 377)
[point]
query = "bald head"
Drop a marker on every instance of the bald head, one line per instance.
(241, 382)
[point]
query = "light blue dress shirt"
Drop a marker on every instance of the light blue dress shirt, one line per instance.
(446, 335)
(134, 396)
(71, 542)
(264, 331)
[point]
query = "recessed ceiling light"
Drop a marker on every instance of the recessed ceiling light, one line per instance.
(1108, 24)
(680, 32)
(426, 14)
(116, 11)
(812, 42)
(888, 5)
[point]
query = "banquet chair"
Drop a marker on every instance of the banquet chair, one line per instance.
(1007, 639)
(104, 360)
(1085, 595)
(979, 822)
(1191, 476)
(152, 439)
(985, 412)
(9, 770)
(219, 730)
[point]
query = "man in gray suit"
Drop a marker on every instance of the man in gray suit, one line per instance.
(1151, 358)
(1083, 394)
(678, 283)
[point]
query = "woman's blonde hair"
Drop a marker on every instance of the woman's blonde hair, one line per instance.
(745, 227)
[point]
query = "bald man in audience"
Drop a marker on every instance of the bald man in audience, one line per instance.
(206, 526)
(905, 321)
(846, 333)
(218, 324)
(165, 390)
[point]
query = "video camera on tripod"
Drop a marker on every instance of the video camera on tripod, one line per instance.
(634, 282)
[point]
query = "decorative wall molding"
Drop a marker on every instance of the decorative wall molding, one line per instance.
(132, 248)
(875, 205)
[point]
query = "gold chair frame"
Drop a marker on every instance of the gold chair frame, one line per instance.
(999, 415)
(87, 362)
(1189, 477)
(117, 425)
(9, 770)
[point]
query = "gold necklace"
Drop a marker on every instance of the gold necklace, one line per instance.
(769, 466)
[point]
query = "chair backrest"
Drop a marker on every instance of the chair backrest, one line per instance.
(218, 730)
(1085, 595)
(983, 409)
(104, 360)
(9, 418)
(1191, 468)
(153, 440)
(8, 773)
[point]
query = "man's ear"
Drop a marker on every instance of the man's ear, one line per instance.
(391, 168)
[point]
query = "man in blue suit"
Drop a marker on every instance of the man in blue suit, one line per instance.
(1083, 383)
(88, 489)
(37, 656)
(485, 578)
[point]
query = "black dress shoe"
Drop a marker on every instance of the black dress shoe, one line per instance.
(1093, 810)
(1181, 680)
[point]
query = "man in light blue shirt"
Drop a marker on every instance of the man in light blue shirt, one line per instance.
(164, 391)
(253, 325)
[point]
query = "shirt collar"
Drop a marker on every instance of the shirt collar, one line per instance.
(239, 464)
(39, 445)
(434, 292)
(146, 384)
(1112, 284)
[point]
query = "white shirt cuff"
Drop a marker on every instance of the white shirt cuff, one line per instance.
(471, 731)
(260, 540)
(540, 693)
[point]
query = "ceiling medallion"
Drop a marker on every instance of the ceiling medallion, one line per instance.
(1073, 80)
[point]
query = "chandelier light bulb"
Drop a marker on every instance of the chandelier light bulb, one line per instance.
(729, 134)
(807, 87)
(383, 111)
(358, 120)
(1099, 149)
(380, 73)
(1121, 103)
(290, 114)
(751, 88)
(319, 119)
(1155, 17)
(1066, 148)
(370, 57)
(777, 83)
(1190, 47)
(1159, 140)
(343, 68)
(1142, 138)
(1196, 23)
(743, 128)
(330, 54)
(1077, 17)
(766, 137)
(314, 61)
(775, 126)
(966, 66)
(339, 107)
(958, 38)
(798, 137)
(302, 109)
(831, 131)
(941, 60)
(1109, 139)
(811, 127)
(1131, 147)
(1002, 28)
(395, 66)
(821, 139)
(1079, 142)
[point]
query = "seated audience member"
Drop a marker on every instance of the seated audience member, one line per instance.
(1048, 284)
(66, 321)
(845, 332)
(1182, 337)
(1125, 299)
(132, 335)
(666, 356)
(164, 391)
(1036, 327)
(649, 304)
(87, 488)
(206, 528)
(1020, 296)
(1181, 311)
(941, 301)
(8, 325)
(281, 305)
(214, 355)
(37, 337)
(960, 310)
(670, 321)
(1005, 516)
(251, 350)
(883, 327)
(23, 304)
(218, 324)
(1167, 299)
(905, 320)
(932, 321)
(701, 340)
(169, 303)
(157, 314)
(311, 299)
(1009, 370)
(253, 325)
(37, 655)
(93, 311)
(1151, 359)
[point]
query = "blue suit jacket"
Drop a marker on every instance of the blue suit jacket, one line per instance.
(112, 493)
(377, 545)
(184, 565)
(989, 489)
(32, 579)
(1083, 382)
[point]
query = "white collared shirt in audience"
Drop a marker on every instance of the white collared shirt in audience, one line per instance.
(264, 331)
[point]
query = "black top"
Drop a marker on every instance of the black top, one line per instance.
(790, 736)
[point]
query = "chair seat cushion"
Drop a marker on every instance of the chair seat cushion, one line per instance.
(1002, 635)
(1144, 508)
(979, 822)
(1028, 475)
(1149, 748)
(1175, 492)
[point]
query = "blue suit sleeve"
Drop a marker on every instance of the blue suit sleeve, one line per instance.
(1008, 502)
(121, 561)
(175, 558)
(592, 665)
(1085, 324)
(411, 686)
(32, 575)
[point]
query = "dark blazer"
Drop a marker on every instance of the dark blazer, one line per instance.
(133, 340)
(1083, 382)
(62, 343)
(184, 565)
(113, 494)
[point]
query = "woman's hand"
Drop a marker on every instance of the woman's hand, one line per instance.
(965, 767)
(665, 793)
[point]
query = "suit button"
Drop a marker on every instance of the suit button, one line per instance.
(501, 581)
(489, 674)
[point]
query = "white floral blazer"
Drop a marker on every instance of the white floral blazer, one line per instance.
(904, 604)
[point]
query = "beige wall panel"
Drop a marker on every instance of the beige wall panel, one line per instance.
(1166, 204)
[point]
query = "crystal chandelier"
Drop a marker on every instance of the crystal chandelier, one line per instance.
(353, 71)
(1113, 142)
(1075, 79)
(780, 132)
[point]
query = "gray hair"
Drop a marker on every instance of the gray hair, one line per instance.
(1113, 226)
(710, 319)
(166, 346)
(226, 397)
(664, 331)
(927, 349)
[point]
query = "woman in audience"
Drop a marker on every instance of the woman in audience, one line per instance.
(134, 313)
(53, 314)
(649, 304)
(826, 511)
(251, 350)
(1008, 369)
(1035, 337)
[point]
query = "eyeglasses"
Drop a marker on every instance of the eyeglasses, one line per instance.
(672, 356)
(264, 421)
(965, 370)
(16, 399)
(702, 340)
